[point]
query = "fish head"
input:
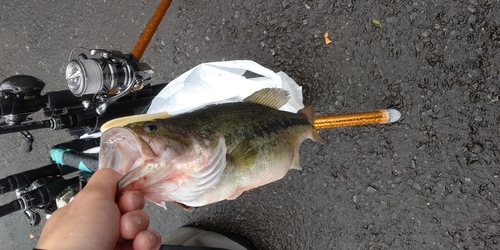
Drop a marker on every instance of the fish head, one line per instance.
(162, 163)
(126, 148)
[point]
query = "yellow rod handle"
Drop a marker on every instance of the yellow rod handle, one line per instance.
(356, 119)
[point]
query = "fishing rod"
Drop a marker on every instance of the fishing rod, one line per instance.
(102, 85)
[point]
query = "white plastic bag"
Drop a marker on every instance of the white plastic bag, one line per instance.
(218, 82)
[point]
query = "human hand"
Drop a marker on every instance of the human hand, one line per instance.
(95, 220)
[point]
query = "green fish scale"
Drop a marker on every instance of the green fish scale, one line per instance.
(239, 121)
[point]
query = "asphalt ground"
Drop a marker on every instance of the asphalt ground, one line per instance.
(429, 181)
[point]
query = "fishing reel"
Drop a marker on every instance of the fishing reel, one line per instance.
(19, 97)
(105, 75)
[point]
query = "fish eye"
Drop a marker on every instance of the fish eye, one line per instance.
(150, 127)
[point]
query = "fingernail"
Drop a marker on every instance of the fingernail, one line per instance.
(133, 223)
(137, 220)
(152, 237)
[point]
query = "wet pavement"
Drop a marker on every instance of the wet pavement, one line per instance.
(430, 180)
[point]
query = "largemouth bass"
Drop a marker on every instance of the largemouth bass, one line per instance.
(210, 154)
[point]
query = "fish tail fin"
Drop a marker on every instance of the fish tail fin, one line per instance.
(309, 113)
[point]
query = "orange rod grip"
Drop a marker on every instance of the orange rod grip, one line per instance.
(352, 119)
(151, 27)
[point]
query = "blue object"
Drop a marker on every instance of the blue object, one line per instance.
(82, 167)
(57, 155)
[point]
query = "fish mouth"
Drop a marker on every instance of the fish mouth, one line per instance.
(123, 150)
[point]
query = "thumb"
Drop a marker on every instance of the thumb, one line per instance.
(102, 184)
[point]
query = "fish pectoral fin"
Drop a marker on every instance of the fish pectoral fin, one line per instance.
(244, 154)
(271, 97)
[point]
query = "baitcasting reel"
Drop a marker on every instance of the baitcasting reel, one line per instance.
(107, 76)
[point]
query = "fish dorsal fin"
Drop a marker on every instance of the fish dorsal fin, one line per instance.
(271, 97)
(122, 121)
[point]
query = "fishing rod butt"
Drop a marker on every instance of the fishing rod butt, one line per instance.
(382, 116)
(10, 207)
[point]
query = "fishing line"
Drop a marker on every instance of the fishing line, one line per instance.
(124, 139)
